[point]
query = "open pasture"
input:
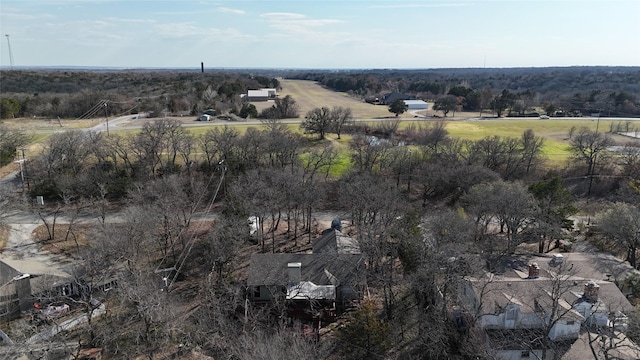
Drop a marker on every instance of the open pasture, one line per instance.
(309, 95)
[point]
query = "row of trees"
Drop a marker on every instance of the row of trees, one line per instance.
(322, 120)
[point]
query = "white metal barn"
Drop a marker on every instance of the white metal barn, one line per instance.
(416, 104)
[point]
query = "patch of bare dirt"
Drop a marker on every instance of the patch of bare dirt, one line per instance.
(67, 240)
(4, 236)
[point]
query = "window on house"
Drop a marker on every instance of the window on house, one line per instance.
(511, 314)
(524, 354)
(571, 322)
(256, 292)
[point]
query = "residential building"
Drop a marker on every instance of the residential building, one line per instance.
(535, 304)
(332, 275)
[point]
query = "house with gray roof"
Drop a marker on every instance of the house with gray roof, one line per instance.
(333, 274)
(558, 297)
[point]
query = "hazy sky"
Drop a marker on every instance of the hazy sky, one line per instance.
(320, 33)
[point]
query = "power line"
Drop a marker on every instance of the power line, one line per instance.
(91, 112)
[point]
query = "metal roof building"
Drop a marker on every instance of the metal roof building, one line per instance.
(416, 104)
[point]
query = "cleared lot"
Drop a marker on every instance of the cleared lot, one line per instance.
(310, 95)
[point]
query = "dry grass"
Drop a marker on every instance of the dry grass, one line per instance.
(4, 236)
(309, 95)
(8, 169)
(77, 240)
(29, 124)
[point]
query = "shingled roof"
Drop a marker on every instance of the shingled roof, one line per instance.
(334, 241)
(320, 269)
(529, 292)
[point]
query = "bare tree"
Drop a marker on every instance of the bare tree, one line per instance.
(170, 202)
(317, 121)
(279, 343)
(340, 117)
(589, 145)
(510, 203)
(217, 144)
(223, 243)
(142, 298)
(369, 155)
(157, 146)
(376, 208)
(319, 160)
(531, 149)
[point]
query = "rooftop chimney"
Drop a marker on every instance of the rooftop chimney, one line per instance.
(534, 271)
(591, 291)
(294, 270)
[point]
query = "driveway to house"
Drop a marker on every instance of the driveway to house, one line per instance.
(67, 324)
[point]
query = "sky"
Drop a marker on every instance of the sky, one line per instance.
(323, 34)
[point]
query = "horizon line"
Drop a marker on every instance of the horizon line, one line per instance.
(197, 68)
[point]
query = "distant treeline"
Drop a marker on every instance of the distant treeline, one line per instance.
(570, 91)
(70, 94)
(566, 90)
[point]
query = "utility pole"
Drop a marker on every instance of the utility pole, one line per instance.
(10, 54)
(23, 169)
(106, 117)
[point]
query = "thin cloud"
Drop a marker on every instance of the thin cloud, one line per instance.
(299, 26)
(421, 5)
(189, 30)
(131, 21)
(19, 16)
(294, 21)
(282, 16)
(231, 11)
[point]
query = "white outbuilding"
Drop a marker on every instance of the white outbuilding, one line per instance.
(416, 104)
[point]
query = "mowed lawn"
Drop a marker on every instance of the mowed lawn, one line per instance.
(554, 132)
(309, 95)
